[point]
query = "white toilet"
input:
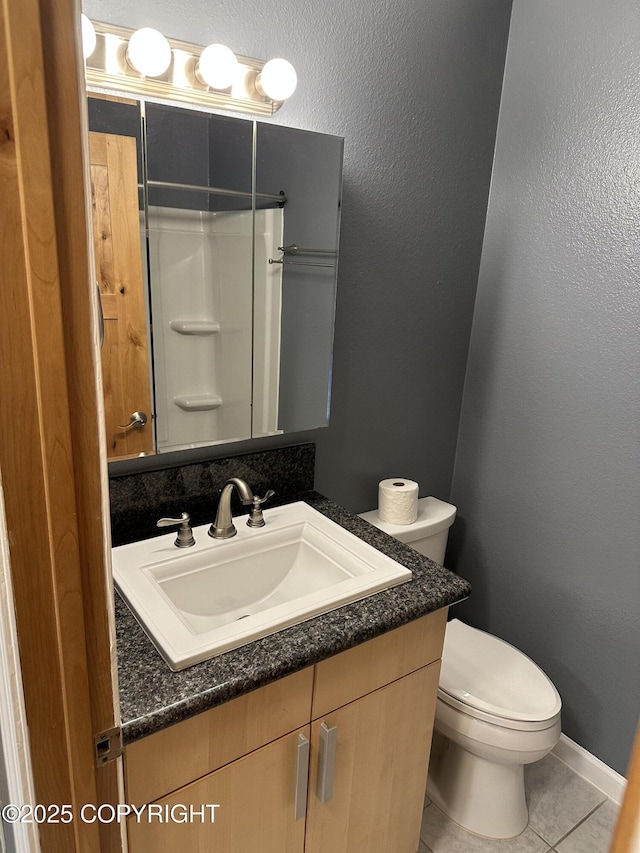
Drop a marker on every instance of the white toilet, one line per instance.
(496, 710)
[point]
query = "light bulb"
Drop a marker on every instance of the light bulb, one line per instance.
(149, 52)
(278, 79)
(89, 37)
(217, 66)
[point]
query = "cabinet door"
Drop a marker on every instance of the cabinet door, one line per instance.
(382, 744)
(256, 798)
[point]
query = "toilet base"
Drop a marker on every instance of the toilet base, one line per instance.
(485, 798)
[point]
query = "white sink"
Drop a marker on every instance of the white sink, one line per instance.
(197, 602)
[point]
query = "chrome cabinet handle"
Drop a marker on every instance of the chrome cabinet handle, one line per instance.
(326, 762)
(137, 420)
(302, 776)
(185, 533)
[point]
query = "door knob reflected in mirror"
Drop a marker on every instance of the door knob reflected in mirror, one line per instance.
(137, 420)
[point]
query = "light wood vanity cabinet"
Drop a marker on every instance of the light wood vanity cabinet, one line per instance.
(368, 716)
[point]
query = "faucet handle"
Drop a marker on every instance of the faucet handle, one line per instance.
(185, 533)
(255, 513)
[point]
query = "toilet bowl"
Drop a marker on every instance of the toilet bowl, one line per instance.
(496, 709)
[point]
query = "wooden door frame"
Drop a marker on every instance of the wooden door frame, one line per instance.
(52, 449)
(626, 836)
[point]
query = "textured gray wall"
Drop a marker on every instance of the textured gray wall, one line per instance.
(414, 88)
(546, 477)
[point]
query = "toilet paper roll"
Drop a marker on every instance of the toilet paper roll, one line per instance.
(398, 500)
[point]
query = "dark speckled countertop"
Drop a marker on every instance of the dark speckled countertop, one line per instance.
(153, 697)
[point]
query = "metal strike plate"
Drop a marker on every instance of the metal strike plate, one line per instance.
(108, 745)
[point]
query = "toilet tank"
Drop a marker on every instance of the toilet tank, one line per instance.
(428, 534)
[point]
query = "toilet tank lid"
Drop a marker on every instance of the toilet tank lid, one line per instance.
(434, 516)
(487, 673)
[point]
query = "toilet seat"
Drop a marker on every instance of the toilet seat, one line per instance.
(492, 719)
(490, 680)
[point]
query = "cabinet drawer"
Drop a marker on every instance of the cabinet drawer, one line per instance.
(365, 668)
(173, 757)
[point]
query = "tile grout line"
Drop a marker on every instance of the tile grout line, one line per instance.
(535, 832)
(551, 848)
(573, 828)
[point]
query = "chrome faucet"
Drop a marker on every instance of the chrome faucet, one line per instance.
(223, 527)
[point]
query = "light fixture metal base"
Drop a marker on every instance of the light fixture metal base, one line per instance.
(107, 68)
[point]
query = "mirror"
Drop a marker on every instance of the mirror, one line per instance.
(216, 253)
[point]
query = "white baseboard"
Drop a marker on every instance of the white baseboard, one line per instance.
(590, 768)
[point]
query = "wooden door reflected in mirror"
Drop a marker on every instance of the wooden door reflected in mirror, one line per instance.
(116, 232)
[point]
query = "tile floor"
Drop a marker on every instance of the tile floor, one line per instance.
(566, 815)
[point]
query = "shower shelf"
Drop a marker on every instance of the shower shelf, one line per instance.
(195, 327)
(198, 402)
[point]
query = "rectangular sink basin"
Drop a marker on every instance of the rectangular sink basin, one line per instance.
(195, 603)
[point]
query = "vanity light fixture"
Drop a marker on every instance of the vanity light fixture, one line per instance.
(149, 52)
(146, 64)
(277, 80)
(217, 66)
(89, 37)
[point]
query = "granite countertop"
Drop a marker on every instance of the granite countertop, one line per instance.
(153, 697)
